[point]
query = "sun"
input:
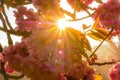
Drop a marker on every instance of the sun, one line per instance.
(63, 23)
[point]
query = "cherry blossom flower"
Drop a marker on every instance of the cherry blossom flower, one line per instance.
(81, 71)
(45, 4)
(15, 54)
(49, 9)
(26, 19)
(61, 77)
(7, 68)
(114, 73)
(39, 57)
(108, 14)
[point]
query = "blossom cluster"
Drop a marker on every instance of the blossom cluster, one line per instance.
(48, 7)
(26, 19)
(81, 71)
(7, 68)
(15, 54)
(115, 72)
(29, 63)
(108, 14)
(45, 4)
(46, 57)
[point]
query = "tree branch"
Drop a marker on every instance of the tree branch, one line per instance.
(10, 42)
(5, 15)
(104, 63)
(25, 34)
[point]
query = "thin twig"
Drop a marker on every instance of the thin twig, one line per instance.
(5, 15)
(67, 12)
(82, 18)
(10, 42)
(25, 34)
(102, 42)
(84, 7)
(104, 63)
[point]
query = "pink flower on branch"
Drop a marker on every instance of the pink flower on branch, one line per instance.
(44, 61)
(45, 4)
(109, 15)
(7, 68)
(15, 54)
(114, 73)
(26, 19)
(81, 71)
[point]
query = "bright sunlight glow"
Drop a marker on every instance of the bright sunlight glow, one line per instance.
(62, 23)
